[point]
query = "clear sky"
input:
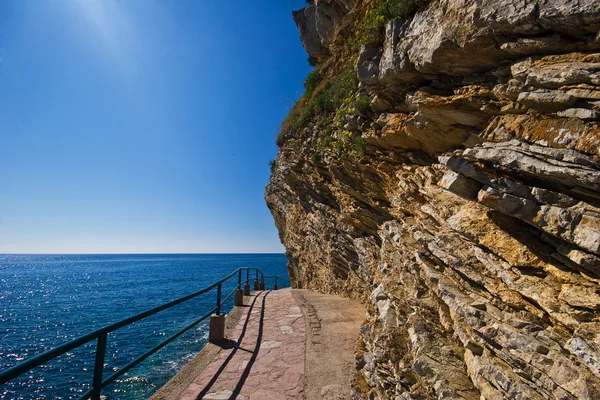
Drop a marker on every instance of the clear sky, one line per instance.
(142, 126)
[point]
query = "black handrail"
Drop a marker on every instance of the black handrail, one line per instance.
(102, 336)
(270, 277)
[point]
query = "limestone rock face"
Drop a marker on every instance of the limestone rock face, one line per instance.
(317, 24)
(471, 226)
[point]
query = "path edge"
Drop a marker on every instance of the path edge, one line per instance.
(193, 368)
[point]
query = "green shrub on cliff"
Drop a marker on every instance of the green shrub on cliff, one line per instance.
(325, 103)
(403, 8)
(313, 80)
(297, 118)
(362, 104)
(359, 145)
(331, 87)
(380, 11)
(321, 96)
(358, 105)
(343, 144)
(371, 26)
(342, 87)
(272, 165)
(325, 139)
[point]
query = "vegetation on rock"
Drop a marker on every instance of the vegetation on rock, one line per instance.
(331, 89)
(371, 28)
(455, 190)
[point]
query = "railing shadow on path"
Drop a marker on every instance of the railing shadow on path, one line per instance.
(252, 360)
(236, 345)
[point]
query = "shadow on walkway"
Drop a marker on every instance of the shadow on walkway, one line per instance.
(236, 345)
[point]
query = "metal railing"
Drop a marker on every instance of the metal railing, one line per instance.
(275, 286)
(101, 335)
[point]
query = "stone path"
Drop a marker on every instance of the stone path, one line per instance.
(333, 324)
(284, 344)
(264, 356)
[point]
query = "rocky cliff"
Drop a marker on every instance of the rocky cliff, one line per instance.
(444, 168)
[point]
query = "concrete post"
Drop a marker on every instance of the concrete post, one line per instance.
(275, 286)
(216, 329)
(238, 298)
(262, 286)
(246, 289)
(256, 284)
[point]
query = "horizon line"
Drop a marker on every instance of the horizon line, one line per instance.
(130, 254)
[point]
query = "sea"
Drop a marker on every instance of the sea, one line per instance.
(48, 300)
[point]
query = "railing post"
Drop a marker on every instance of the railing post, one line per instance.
(238, 298)
(247, 275)
(275, 287)
(219, 299)
(240, 279)
(99, 366)
(216, 328)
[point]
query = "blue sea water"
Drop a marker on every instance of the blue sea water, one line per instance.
(47, 300)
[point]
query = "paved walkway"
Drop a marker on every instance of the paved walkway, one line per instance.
(269, 362)
(333, 324)
(276, 350)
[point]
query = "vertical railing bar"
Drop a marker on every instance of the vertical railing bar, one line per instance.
(219, 299)
(99, 366)
(240, 279)
(247, 275)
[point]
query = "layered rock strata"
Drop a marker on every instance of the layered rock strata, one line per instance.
(471, 226)
(317, 24)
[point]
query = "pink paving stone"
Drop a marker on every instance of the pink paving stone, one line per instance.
(265, 395)
(277, 371)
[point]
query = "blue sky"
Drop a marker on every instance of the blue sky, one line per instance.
(142, 126)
